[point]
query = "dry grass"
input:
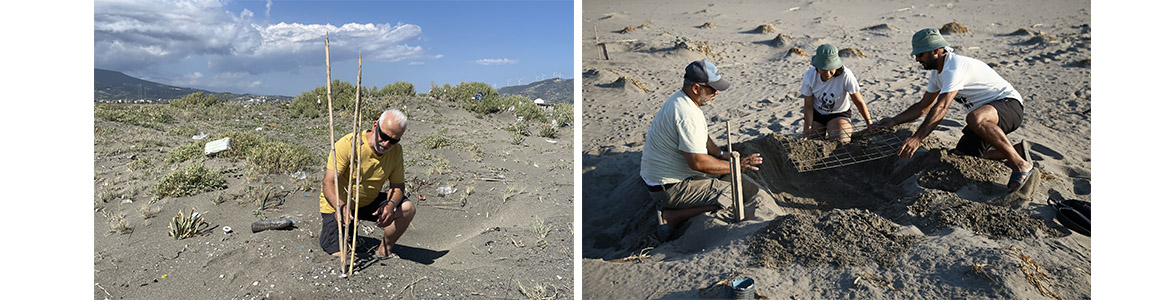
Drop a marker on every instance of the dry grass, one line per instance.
(953, 27)
(541, 230)
(851, 52)
(538, 292)
(766, 28)
(628, 29)
(798, 52)
(624, 80)
(1035, 274)
(979, 268)
(117, 223)
(147, 211)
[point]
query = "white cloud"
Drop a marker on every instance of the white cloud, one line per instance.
(416, 63)
(228, 81)
(496, 61)
(135, 35)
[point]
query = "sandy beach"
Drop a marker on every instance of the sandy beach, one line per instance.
(504, 232)
(935, 226)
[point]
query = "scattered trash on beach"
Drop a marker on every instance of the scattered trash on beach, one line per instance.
(445, 190)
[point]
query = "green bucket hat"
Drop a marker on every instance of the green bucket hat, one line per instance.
(826, 58)
(928, 39)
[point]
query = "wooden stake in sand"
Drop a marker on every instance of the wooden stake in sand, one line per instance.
(355, 163)
(736, 179)
(333, 152)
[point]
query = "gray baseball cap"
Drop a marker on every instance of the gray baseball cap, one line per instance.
(701, 71)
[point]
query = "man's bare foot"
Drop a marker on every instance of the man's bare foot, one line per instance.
(386, 253)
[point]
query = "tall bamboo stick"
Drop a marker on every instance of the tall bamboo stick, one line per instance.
(357, 114)
(333, 152)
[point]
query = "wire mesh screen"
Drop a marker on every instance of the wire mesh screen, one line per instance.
(819, 153)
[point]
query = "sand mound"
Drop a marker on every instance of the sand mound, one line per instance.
(882, 27)
(953, 27)
(708, 25)
(601, 75)
(849, 237)
(628, 29)
(766, 28)
(954, 172)
(851, 52)
(781, 40)
(696, 46)
(855, 214)
(941, 210)
(627, 82)
(1023, 31)
(798, 52)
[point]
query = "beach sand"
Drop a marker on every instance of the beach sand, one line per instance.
(505, 232)
(937, 225)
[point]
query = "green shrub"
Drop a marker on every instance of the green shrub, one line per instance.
(549, 131)
(145, 115)
(190, 180)
(269, 156)
(401, 88)
(436, 141)
(277, 157)
(139, 164)
(517, 138)
(185, 130)
(519, 127)
(315, 103)
(562, 114)
(194, 99)
(184, 153)
(531, 112)
(182, 227)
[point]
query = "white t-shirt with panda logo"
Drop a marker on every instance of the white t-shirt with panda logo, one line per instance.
(830, 96)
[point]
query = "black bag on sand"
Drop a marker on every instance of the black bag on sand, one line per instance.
(1073, 214)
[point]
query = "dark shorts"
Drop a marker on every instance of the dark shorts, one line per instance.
(329, 224)
(824, 119)
(1011, 115)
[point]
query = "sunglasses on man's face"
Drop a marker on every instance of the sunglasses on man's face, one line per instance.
(383, 136)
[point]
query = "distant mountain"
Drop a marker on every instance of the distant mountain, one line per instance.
(556, 90)
(114, 86)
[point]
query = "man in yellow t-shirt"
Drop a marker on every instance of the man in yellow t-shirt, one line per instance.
(379, 161)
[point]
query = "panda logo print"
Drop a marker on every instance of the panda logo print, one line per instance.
(827, 101)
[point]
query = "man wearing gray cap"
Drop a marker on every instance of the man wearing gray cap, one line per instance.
(994, 107)
(679, 157)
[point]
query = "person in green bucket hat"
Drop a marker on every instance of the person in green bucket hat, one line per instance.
(828, 87)
(994, 108)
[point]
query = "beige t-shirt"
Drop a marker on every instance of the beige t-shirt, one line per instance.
(678, 127)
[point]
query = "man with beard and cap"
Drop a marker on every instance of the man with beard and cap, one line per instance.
(994, 108)
(379, 161)
(679, 158)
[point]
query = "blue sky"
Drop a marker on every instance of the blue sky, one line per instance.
(277, 47)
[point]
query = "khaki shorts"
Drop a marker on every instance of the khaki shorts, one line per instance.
(703, 191)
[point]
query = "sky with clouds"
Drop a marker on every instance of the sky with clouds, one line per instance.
(278, 47)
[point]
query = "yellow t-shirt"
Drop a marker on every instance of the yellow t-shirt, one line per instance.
(375, 170)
